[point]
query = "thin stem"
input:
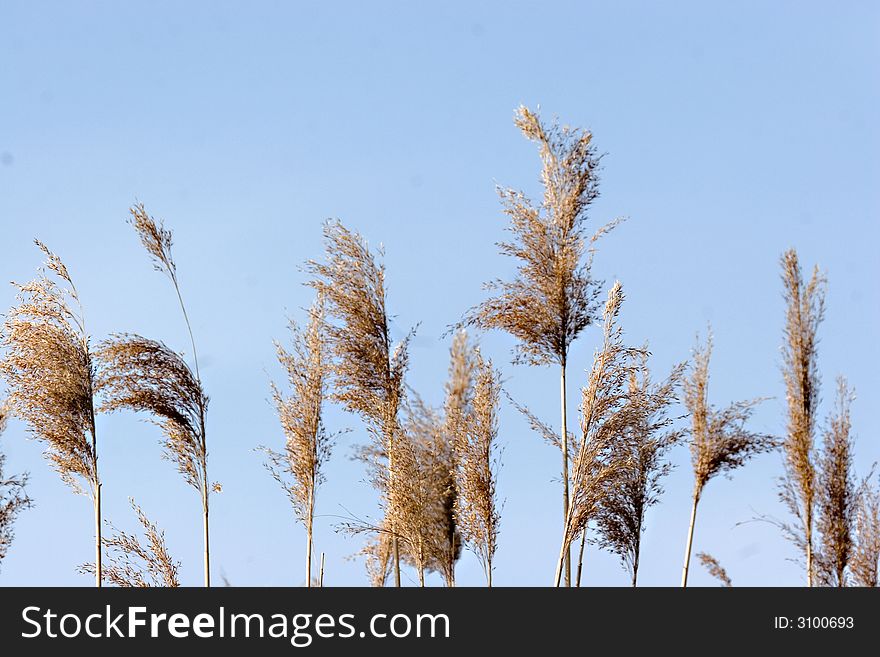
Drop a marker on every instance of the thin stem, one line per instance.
(588, 421)
(98, 571)
(188, 325)
(565, 483)
(581, 558)
(206, 533)
(809, 537)
(309, 522)
(205, 484)
(690, 538)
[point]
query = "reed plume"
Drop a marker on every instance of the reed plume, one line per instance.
(711, 564)
(307, 444)
(553, 296)
(866, 536)
(805, 309)
(183, 419)
(476, 507)
(131, 563)
(422, 518)
(637, 484)
(457, 408)
(368, 370)
(604, 416)
(48, 366)
(433, 442)
(378, 553)
(13, 496)
(836, 494)
(719, 440)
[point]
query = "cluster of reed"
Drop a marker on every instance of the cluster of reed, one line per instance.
(435, 469)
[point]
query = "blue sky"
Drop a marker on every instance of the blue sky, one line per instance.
(732, 131)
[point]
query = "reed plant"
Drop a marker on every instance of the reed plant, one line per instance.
(49, 369)
(804, 311)
(553, 296)
(135, 562)
(719, 440)
(642, 451)
(307, 443)
(368, 369)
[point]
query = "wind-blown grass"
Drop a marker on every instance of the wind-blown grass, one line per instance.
(13, 495)
(553, 297)
(719, 440)
(49, 369)
(307, 444)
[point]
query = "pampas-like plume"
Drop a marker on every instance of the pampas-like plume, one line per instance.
(368, 371)
(836, 494)
(476, 507)
(637, 484)
(185, 431)
(711, 564)
(423, 518)
(378, 553)
(553, 296)
(130, 563)
(604, 417)
(866, 536)
(719, 442)
(13, 498)
(48, 366)
(457, 409)
(307, 444)
(144, 375)
(805, 309)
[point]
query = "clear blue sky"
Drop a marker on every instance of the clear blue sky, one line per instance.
(732, 131)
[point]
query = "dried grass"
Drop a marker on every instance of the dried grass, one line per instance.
(642, 449)
(719, 441)
(143, 375)
(131, 563)
(711, 564)
(866, 536)
(368, 370)
(604, 416)
(836, 494)
(553, 296)
(49, 370)
(476, 506)
(805, 309)
(150, 376)
(307, 444)
(13, 496)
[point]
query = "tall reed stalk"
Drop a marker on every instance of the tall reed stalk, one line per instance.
(476, 507)
(604, 416)
(307, 445)
(719, 440)
(49, 369)
(368, 370)
(145, 375)
(836, 494)
(553, 296)
(642, 449)
(457, 408)
(805, 309)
